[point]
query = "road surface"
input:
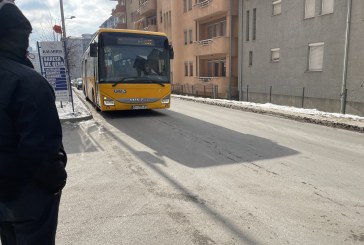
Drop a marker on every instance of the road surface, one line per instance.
(202, 174)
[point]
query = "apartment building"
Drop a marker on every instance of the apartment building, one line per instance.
(118, 17)
(294, 53)
(76, 46)
(204, 35)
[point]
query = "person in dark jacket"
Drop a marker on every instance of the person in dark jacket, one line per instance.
(32, 159)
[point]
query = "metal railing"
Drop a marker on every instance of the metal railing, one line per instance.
(203, 4)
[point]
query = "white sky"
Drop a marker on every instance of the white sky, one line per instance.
(43, 14)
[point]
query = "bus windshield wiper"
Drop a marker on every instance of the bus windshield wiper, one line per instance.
(156, 82)
(124, 79)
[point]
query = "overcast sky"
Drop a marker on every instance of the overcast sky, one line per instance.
(43, 14)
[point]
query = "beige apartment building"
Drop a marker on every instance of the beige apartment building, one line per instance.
(204, 35)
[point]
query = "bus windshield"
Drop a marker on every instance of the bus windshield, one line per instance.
(127, 58)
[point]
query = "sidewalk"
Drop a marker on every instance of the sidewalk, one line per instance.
(335, 120)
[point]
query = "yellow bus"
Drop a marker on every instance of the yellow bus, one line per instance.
(127, 70)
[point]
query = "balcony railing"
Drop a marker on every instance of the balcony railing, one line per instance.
(147, 8)
(216, 45)
(210, 8)
(150, 28)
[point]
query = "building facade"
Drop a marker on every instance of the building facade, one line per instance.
(204, 36)
(305, 53)
(76, 46)
(119, 15)
(294, 53)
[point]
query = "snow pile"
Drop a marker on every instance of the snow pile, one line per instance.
(66, 112)
(270, 107)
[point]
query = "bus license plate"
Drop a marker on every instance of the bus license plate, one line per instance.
(139, 107)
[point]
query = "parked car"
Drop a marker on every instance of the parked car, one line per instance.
(78, 83)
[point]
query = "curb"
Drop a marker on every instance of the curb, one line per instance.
(300, 118)
(77, 119)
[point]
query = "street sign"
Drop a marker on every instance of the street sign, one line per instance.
(53, 67)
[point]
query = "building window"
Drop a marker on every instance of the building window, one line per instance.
(191, 69)
(185, 34)
(189, 4)
(327, 6)
(275, 54)
(190, 35)
(216, 68)
(316, 57)
(247, 25)
(209, 68)
(161, 16)
(310, 6)
(250, 58)
(254, 24)
(216, 29)
(223, 68)
(186, 69)
(169, 19)
(277, 7)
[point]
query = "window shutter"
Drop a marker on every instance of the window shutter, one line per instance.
(327, 6)
(277, 7)
(310, 8)
(275, 54)
(316, 57)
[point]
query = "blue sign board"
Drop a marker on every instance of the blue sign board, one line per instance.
(54, 69)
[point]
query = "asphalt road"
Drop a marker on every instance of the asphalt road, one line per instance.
(202, 174)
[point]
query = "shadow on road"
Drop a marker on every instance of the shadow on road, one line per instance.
(79, 137)
(192, 142)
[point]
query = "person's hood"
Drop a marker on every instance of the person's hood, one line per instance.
(15, 29)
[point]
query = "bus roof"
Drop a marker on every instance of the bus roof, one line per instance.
(130, 31)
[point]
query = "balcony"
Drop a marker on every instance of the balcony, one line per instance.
(209, 8)
(147, 8)
(140, 24)
(118, 9)
(121, 26)
(216, 46)
(135, 16)
(150, 28)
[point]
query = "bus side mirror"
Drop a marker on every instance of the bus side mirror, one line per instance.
(171, 52)
(93, 49)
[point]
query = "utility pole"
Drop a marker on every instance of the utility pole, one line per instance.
(346, 54)
(65, 53)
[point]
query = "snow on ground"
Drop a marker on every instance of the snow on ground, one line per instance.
(79, 110)
(271, 107)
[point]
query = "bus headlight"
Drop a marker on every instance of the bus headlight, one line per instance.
(109, 102)
(165, 100)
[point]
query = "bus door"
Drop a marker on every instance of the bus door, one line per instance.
(96, 81)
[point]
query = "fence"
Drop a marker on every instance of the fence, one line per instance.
(207, 91)
(326, 99)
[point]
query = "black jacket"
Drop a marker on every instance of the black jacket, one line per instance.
(30, 131)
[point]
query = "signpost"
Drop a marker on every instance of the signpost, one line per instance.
(52, 60)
